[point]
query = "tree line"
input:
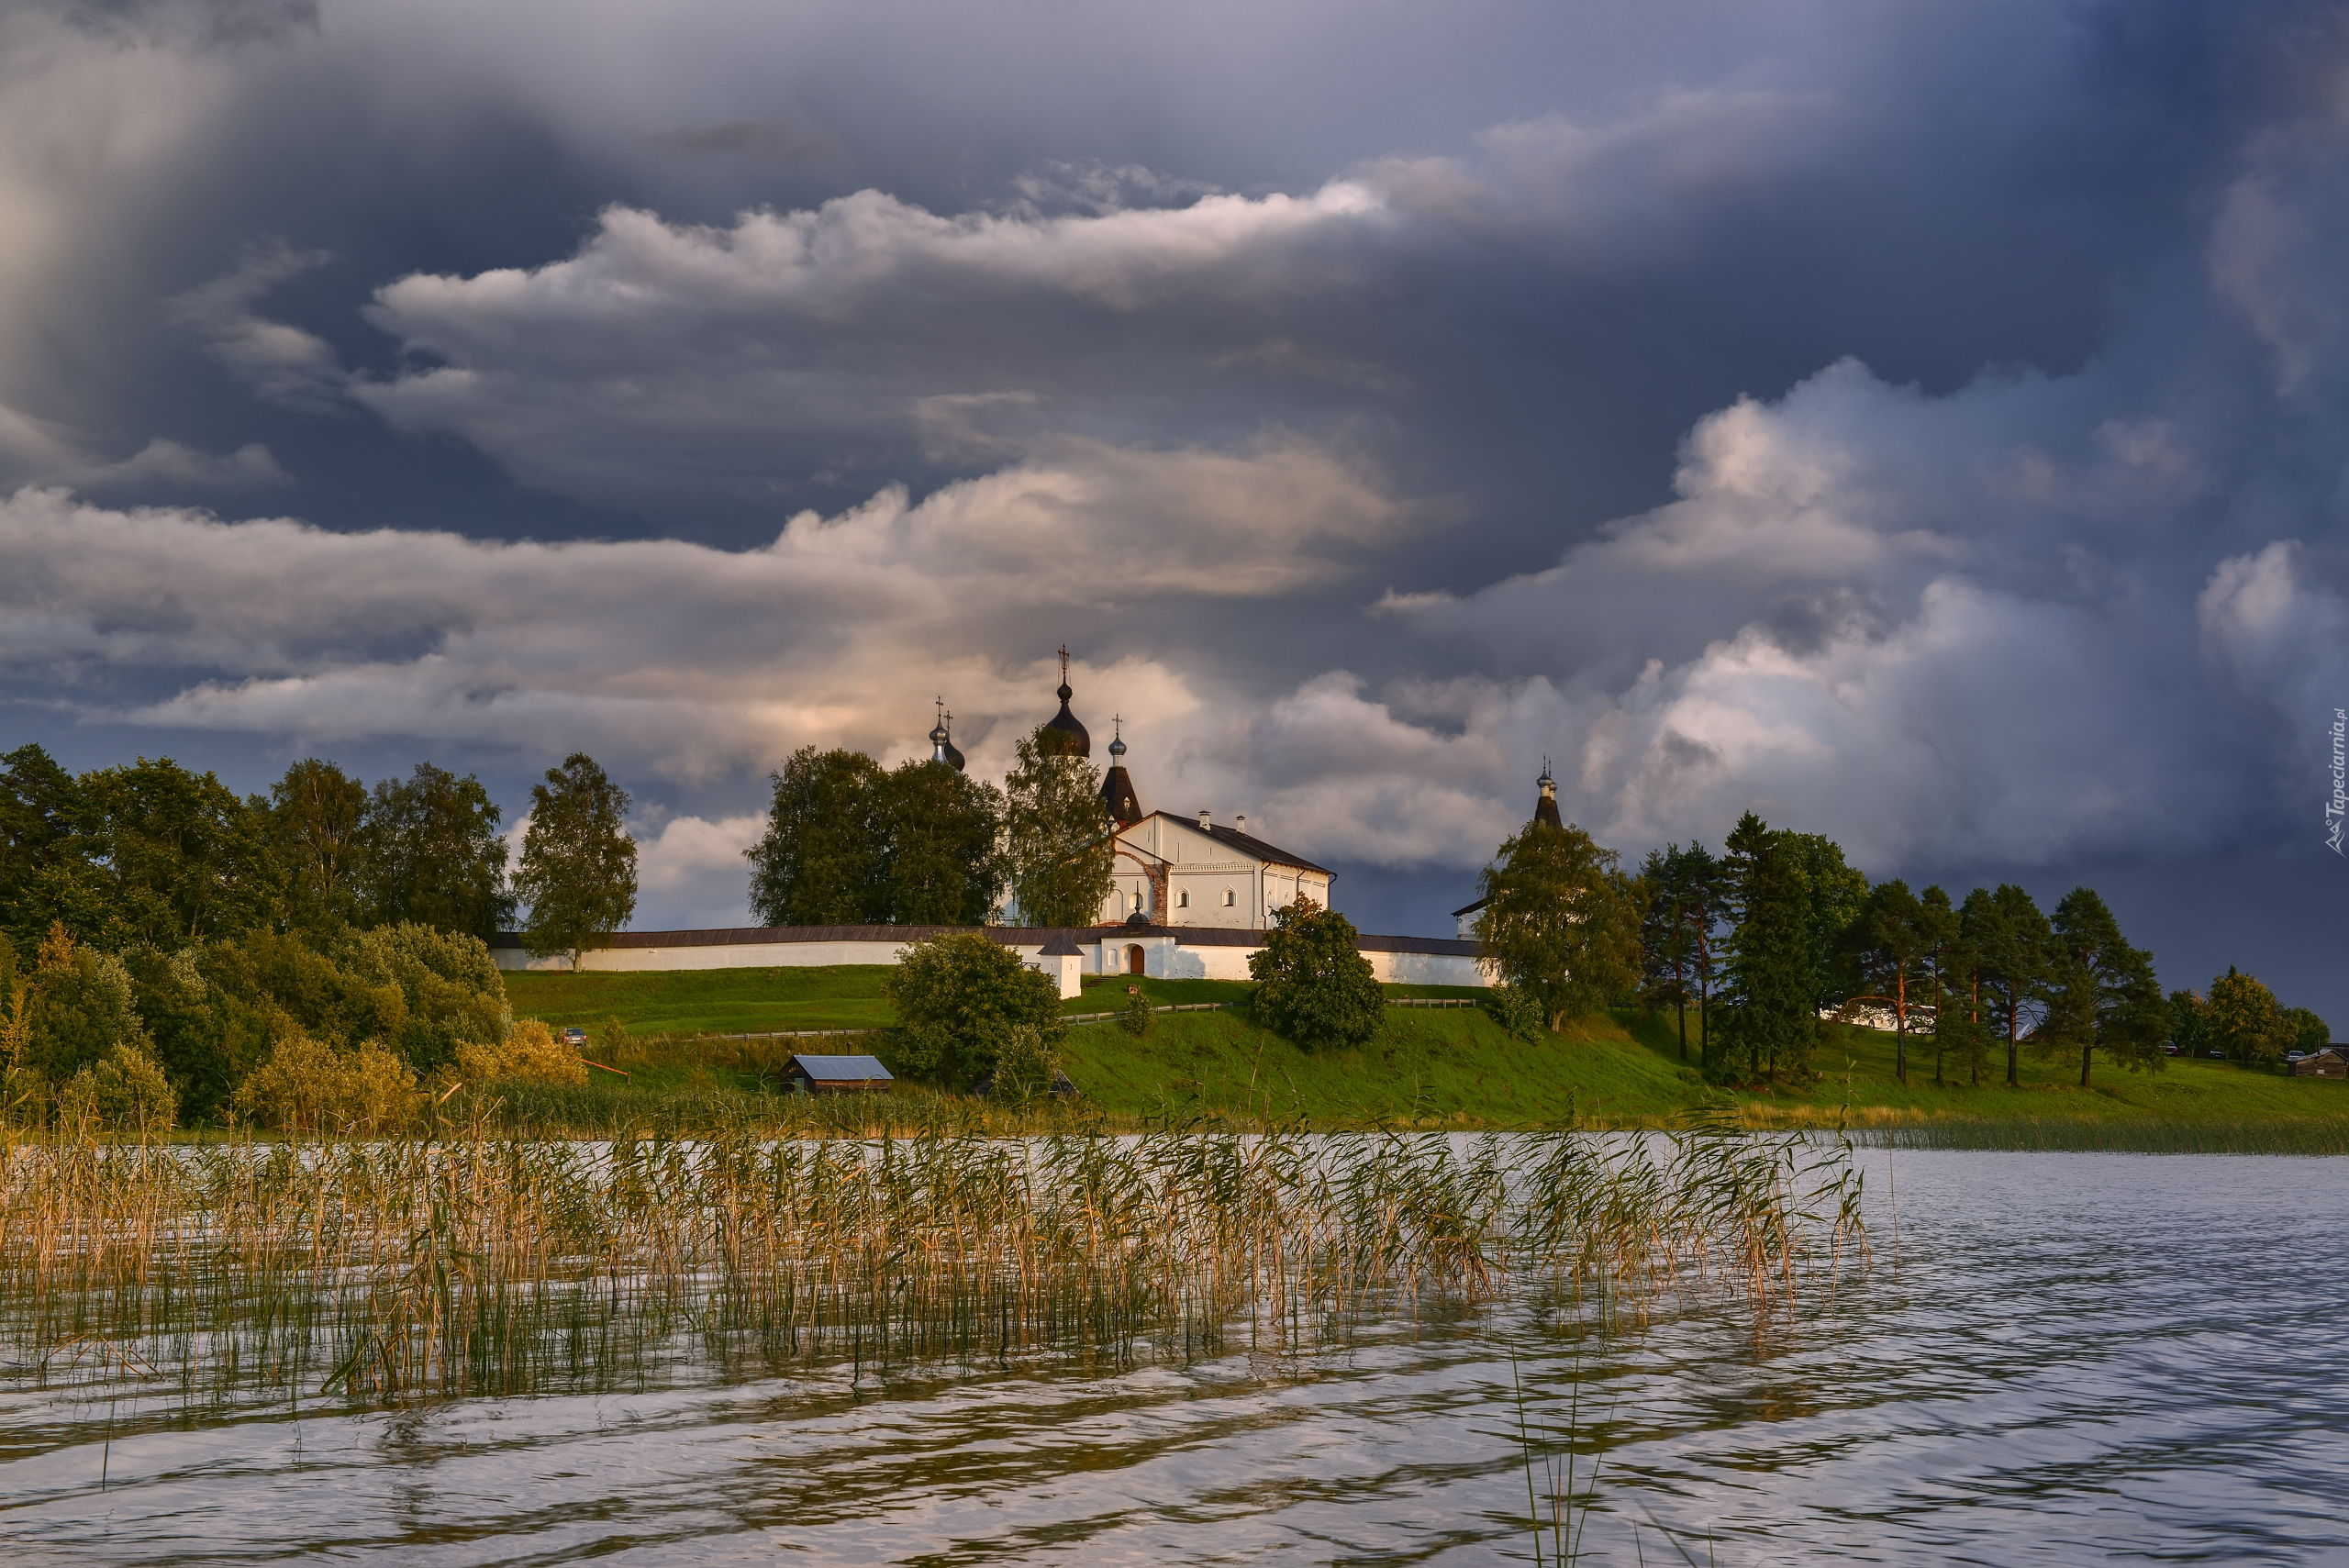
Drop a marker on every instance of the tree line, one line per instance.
(849, 842)
(164, 939)
(154, 854)
(1776, 932)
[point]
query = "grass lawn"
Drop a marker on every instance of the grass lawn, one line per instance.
(1427, 1067)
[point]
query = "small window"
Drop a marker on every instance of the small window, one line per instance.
(1229, 898)
(1183, 899)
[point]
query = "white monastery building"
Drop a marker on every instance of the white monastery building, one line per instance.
(1192, 899)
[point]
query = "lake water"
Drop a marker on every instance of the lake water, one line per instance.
(2056, 1358)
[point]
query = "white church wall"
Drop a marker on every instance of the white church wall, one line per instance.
(1165, 956)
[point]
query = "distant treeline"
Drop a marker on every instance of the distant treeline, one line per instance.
(1778, 930)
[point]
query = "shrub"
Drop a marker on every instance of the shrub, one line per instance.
(529, 1054)
(958, 998)
(308, 1085)
(1517, 1010)
(1025, 1065)
(1135, 1019)
(125, 1090)
(450, 990)
(1313, 983)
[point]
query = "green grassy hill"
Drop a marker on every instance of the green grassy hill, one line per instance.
(1427, 1067)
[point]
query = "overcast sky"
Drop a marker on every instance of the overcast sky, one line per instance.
(1925, 424)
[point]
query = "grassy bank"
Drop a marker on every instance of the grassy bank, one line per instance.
(1427, 1067)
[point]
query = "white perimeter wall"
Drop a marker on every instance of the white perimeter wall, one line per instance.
(1063, 969)
(1163, 957)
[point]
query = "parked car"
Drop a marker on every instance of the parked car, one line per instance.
(2169, 1048)
(574, 1037)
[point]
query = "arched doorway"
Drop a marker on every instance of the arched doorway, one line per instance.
(1134, 959)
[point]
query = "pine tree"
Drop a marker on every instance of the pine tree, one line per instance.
(1888, 943)
(1771, 1023)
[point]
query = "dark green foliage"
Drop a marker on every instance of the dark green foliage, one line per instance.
(1947, 974)
(2101, 991)
(822, 859)
(1561, 921)
(939, 828)
(1135, 1019)
(1887, 947)
(960, 999)
(1058, 843)
(847, 844)
(46, 874)
(1313, 984)
(318, 814)
(1836, 897)
(185, 859)
(1680, 892)
(430, 852)
(2189, 1018)
(2015, 955)
(578, 870)
(1768, 1023)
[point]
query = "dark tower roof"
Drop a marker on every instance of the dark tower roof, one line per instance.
(1546, 809)
(1075, 742)
(1117, 789)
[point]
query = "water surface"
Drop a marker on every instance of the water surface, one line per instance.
(2056, 1357)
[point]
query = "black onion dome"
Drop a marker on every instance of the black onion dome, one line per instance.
(1076, 743)
(953, 758)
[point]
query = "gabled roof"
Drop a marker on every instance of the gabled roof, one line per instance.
(1246, 843)
(1060, 946)
(1470, 908)
(842, 1069)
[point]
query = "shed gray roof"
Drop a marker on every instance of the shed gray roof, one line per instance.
(837, 1068)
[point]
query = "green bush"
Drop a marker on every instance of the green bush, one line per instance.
(1313, 982)
(960, 1000)
(124, 1091)
(1135, 1019)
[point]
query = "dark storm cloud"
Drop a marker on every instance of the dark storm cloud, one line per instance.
(1917, 424)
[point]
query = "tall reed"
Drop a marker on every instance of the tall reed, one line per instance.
(482, 1262)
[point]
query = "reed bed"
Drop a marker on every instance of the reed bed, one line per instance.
(2116, 1134)
(485, 1262)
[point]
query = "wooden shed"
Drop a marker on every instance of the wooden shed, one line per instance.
(2332, 1062)
(836, 1075)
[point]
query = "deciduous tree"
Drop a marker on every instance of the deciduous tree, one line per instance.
(1561, 921)
(1057, 834)
(318, 814)
(578, 871)
(961, 1000)
(822, 859)
(2242, 1019)
(431, 852)
(1313, 986)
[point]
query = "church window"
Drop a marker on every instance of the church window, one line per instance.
(1183, 899)
(1229, 899)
